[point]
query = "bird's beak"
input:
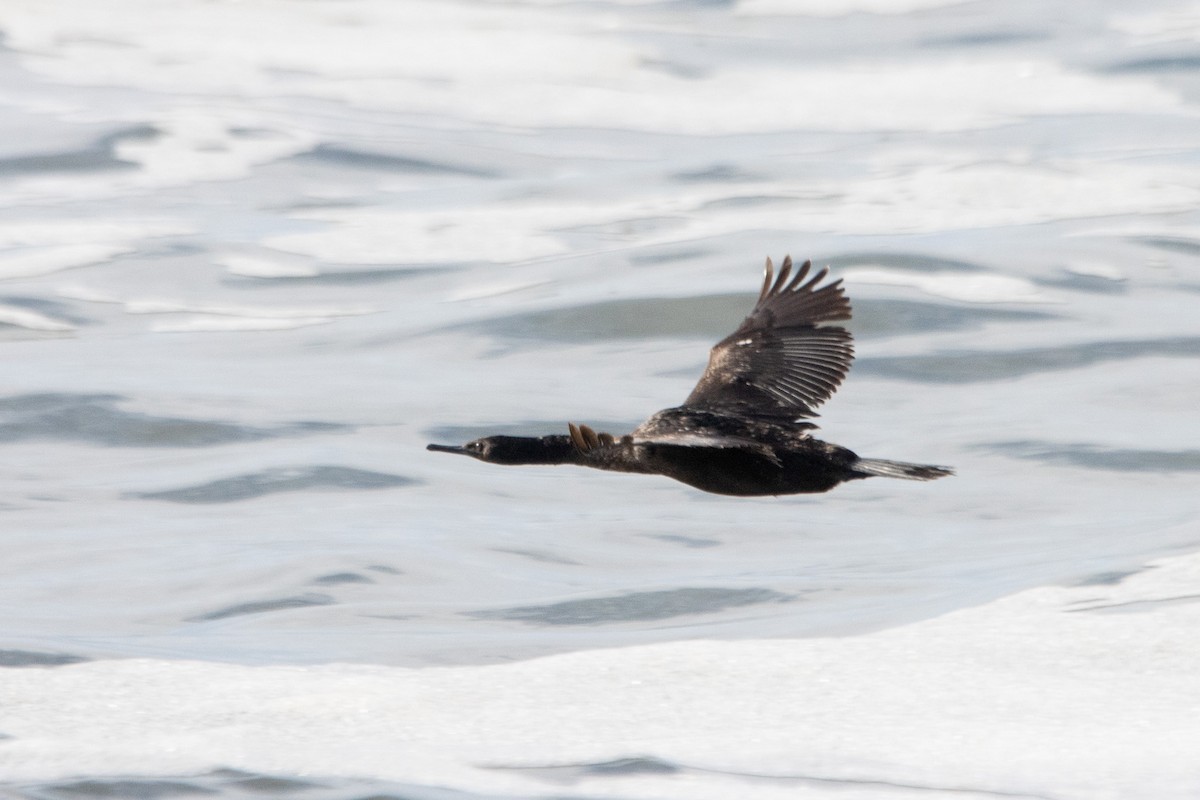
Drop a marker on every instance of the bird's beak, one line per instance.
(448, 448)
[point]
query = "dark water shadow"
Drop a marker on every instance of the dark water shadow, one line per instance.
(666, 254)
(539, 556)
(340, 579)
(271, 481)
(692, 542)
(984, 38)
(354, 158)
(1156, 65)
(912, 262)
(886, 318)
(118, 789)
(95, 419)
(616, 768)
(1174, 244)
(55, 310)
(263, 606)
(1101, 458)
(980, 367)
(99, 156)
(720, 172)
(1090, 284)
(1138, 606)
(1111, 578)
(231, 784)
(567, 774)
(617, 320)
(33, 658)
(635, 607)
(712, 317)
(346, 277)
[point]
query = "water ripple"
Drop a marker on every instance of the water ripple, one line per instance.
(271, 481)
(962, 366)
(30, 658)
(95, 419)
(1091, 456)
(636, 607)
(263, 606)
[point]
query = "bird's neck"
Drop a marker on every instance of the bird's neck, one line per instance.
(556, 449)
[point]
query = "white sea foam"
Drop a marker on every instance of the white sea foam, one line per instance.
(853, 96)
(1083, 692)
(943, 195)
(192, 317)
(513, 232)
(257, 267)
(87, 294)
(198, 323)
(837, 8)
(1180, 22)
(529, 67)
(206, 143)
(1096, 269)
(40, 233)
(28, 262)
(38, 247)
(260, 48)
(969, 287)
(899, 198)
(162, 306)
(26, 318)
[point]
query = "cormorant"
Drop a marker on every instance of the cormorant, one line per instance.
(741, 430)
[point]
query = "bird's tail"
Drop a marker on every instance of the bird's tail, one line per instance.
(898, 469)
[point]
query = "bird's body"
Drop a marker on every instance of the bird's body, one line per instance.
(741, 431)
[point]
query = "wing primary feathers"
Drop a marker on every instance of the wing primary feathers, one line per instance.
(768, 276)
(781, 361)
(820, 276)
(773, 287)
(801, 274)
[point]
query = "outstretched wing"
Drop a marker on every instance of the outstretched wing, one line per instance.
(779, 363)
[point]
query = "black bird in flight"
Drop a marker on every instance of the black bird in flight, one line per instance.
(741, 431)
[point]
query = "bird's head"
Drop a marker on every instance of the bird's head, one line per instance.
(512, 449)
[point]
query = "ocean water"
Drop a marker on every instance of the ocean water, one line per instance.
(255, 255)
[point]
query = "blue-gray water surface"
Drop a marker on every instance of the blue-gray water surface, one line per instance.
(244, 279)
